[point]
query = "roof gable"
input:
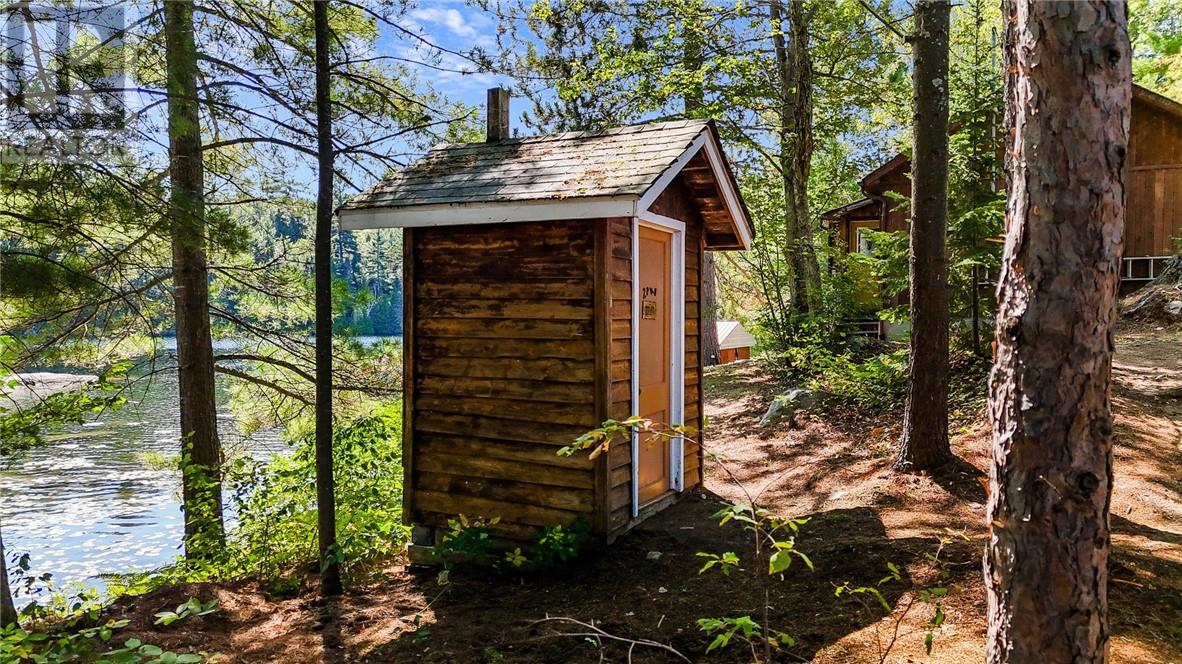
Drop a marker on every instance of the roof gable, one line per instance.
(732, 334)
(617, 172)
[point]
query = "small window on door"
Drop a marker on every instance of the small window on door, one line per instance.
(865, 244)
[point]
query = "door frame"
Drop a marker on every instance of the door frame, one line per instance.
(676, 346)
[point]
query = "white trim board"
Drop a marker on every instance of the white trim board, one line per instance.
(463, 214)
(676, 348)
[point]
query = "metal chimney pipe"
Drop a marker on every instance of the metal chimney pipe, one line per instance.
(498, 115)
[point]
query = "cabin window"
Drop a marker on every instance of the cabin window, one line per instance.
(865, 244)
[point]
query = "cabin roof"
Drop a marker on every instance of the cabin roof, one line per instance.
(582, 174)
(901, 162)
(732, 334)
(1158, 101)
(850, 208)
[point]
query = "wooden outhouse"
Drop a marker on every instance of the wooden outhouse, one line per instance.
(552, 283)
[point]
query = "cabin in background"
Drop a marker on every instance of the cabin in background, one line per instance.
(1153, 210)
(734, 342)
(552, 283)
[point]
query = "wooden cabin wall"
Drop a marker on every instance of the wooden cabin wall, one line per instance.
(1154, 206)
(619, 457)
(501, 345)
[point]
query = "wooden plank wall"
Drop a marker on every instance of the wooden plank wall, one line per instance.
(503, 352)
(694, 243)
(620, 455)
(1154, 188)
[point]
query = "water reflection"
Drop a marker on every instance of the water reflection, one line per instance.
(92, 501)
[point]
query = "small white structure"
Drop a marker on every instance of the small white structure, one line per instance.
(734, 341)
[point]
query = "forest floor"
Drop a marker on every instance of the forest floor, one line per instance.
(862, 516)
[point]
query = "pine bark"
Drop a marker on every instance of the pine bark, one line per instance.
(326, 520)
(8, 615)
(711, 354)
(925, 418)
(200, 446)
(794, 68)
(1067, 118)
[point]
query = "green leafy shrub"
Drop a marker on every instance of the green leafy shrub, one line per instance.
(557, 544)
(71, 643)
(466, 540)
(876, 383)
(276, 501)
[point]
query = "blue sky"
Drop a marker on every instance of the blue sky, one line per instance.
(455, 26)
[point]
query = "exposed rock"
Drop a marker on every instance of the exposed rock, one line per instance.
(28, 388)
(1159, 301)
(784, 406)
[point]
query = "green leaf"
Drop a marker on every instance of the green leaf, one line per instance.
(779, 562)
(719, 641)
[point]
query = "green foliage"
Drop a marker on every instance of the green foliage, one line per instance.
(469, 541)
(744, 627)
(932, 596)
(558, 544)
(191, 607)
(1155, 31)
(276, 501)
(466, 540)
(73, 643)
(727, 562)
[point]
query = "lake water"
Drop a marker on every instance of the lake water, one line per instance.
(90, 502)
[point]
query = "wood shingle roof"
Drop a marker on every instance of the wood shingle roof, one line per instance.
(624, 161)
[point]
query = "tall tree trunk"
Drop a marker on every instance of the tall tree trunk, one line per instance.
(201, 449)
(7, 606)
(794, 68)
(711, 354)
(694, 100)
(925, 419)
(330, 575)
(1067, 118)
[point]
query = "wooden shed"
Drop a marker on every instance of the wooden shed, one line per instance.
(552, 283)
(734, 342)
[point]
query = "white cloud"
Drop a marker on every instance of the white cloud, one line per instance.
(452, 19)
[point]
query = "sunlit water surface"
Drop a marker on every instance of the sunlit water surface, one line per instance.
(92, 502)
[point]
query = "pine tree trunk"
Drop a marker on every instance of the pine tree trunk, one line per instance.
(8, 614)
(794, 69)
(330, 576)
(710, 351)
(1067, 119)
(925, 419)
(201, 449)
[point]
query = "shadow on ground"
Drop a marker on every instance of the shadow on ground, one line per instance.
(636, 595)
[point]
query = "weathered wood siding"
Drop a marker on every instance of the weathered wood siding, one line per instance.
(620, 454)
(1154, 188)
(502, 353)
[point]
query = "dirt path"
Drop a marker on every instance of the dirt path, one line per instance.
(862, 518)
